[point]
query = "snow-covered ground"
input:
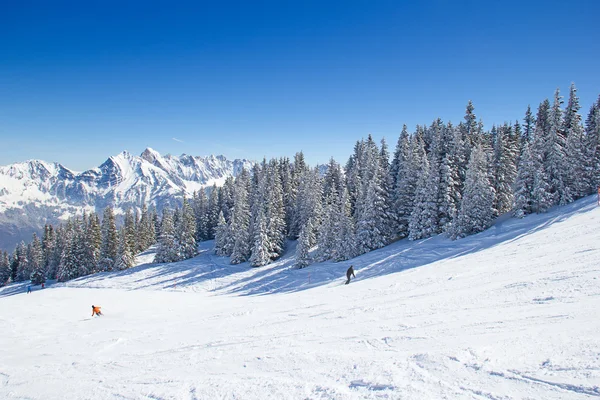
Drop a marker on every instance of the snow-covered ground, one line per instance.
(511, 313)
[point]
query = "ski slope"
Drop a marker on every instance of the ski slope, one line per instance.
(511, 313)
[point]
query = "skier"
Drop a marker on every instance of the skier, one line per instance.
(96, 310)
(350, 273)
(28, 289)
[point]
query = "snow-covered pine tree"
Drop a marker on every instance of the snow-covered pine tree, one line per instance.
(345, 240)
(145, 234)
(167, 247)
(125, 257)
(302, 249)
(4, 268)
(48, 245)
(14, 266)
(353, 175)
(401, 196)
(308, 201)
(200, 203)
(260, 244)
(542, 197)
(371, 224)
(226, 198)
(212, 214)
(423, 221)
(299, 171)
(223, 240)
(333, 181)
(92, 243)
(505, 168)
(523, 193)
(574, 168)
(389, 221)
(186, 232)
(450, 182)
(556, 144)
(72, 262)
(528, 128)
(274, 211)
(55, 251)
(128, 229)
(400, 157)
(327, 230)
(592, 148)
(22, 264)
(289, 192)
(36, 261)
(477, 208)
(240, 219)
(470, 132)
(110, 241)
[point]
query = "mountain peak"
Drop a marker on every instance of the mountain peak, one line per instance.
(150, 155)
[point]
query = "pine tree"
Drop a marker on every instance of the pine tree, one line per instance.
(166, 251)
(345, 244)
(542, 197)
(423, 221)
(55, 251)
(21, 263)
(223, 241)
(110, 243)
(476, 211)
(302, 249)
(240, 219)
(36, 261)
(592, 148)
(450, 182)
(327, 230)
(48, 246)
(4, 268)
(528, 128)
(212, 213)
(125, 257)
(555, 154)
(186, 232)
(260, 249)
(370, 227)
(14, 265)
(128, 229)
(524, 185)
(505, 168)
(145, 234)
(574, 168)
(72, 261)
(275, 211)
(92, 243)
(308, 201)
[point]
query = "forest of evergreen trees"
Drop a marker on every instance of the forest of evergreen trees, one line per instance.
(441, 178)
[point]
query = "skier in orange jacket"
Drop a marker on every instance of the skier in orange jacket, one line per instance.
(96, 310)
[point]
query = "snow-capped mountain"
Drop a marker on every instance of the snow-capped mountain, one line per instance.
(34, 192)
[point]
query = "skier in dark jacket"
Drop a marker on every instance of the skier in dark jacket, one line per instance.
(350, 273)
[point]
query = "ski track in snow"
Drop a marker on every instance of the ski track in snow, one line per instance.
(510, 313)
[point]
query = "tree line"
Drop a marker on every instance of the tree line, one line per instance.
(441, 178)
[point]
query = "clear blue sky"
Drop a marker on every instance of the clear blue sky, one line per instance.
(83, 80)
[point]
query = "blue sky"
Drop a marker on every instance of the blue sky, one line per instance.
(81, 81)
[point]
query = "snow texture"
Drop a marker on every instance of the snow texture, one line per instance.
(509, 313)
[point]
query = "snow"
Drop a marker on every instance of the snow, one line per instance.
(510, 313)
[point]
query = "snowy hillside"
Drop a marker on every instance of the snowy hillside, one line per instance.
(35, 192)
(510, 313)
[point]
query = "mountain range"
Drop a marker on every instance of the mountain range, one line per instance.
(33, 193)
